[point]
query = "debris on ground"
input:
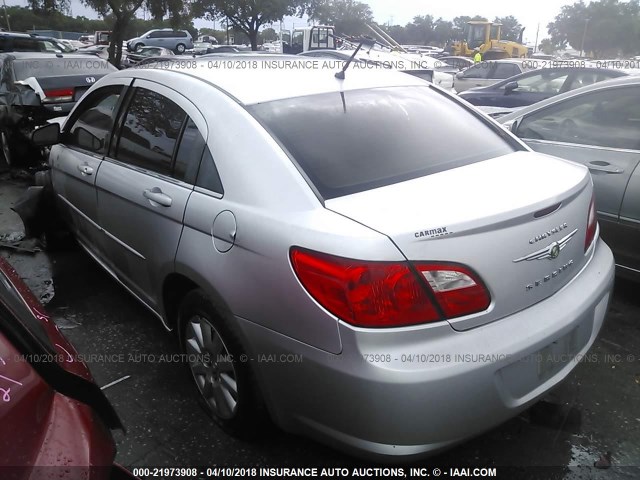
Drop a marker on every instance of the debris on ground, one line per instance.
(604, 461)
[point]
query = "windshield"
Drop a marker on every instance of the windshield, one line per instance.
(358, 140)
(475, 36)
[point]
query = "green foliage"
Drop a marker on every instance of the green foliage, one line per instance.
(22, 19)
(248, 16)
(349, 17)
(510, 28)
(609, 28)
(424, 30)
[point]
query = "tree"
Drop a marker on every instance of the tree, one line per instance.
(120, 13)
(442, 31)
(248, 15)
(347, 16)
(603, 28)
(511, 28)
(547, 46)
(269, 35)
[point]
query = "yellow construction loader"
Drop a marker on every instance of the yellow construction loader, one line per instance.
(484, 37)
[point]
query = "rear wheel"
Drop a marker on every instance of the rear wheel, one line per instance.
(219, 367)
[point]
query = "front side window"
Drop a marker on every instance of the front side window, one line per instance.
(348, 142)
(543, 82)
(150, 131)
(609, 118)
(481, 70)
(94, 120)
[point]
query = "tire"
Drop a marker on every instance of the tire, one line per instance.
(180, 48)
(227, 389)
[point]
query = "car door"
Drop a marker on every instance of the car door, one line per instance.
(627, 239)
(601, 130)
(77, 159)
(143, 187)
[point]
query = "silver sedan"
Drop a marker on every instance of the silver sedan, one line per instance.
(331, 252)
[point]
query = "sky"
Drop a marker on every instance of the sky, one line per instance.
(530, 13)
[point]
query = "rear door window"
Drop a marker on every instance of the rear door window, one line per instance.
(347, 142)
(505, 70)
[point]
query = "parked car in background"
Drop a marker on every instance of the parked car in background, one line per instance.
(36, 87)
(536, 85)
(597, 126)
(101, 51)
(23, 42)
(426, 70)
(294, 223)
(55, 420)
(134, 58)
(459, 63)
(488, 72)
(175, 40)
(207, 39)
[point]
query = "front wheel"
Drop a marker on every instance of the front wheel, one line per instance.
(180, 48)
(219, 367)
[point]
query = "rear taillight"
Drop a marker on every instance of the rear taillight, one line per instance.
(388, 294)
(592, 225)
(58, 95)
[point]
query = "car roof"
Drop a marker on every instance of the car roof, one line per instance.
(627, 80)
(30, 55)
(538, 71)
(281, 76)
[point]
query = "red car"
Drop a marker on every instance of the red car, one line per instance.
(55, 421)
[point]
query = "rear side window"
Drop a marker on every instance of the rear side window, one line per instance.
(189, 153)
(150, 131)
(358, 140)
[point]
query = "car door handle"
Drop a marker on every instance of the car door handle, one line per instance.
(85, 169)
(156, 195)
(605, 167)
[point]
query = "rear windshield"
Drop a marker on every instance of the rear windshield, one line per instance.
(362, 139)
(54, 66)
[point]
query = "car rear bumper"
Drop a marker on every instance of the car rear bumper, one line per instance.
(410, 392)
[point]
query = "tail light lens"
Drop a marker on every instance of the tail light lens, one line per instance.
(58, 95)
(592, 225)
(388, 294)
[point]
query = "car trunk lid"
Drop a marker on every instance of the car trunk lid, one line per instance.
(518, 221)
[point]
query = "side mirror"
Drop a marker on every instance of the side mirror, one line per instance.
(510, 87)
(514, 126)
(88, 140)
(47, 135)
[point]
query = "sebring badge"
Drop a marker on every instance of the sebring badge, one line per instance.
(550, 251)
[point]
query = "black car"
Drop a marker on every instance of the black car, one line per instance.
(35, 87)
(535, 85)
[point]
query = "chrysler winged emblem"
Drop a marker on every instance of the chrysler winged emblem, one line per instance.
(550, 251)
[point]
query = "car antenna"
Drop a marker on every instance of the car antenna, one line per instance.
(364, 41)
